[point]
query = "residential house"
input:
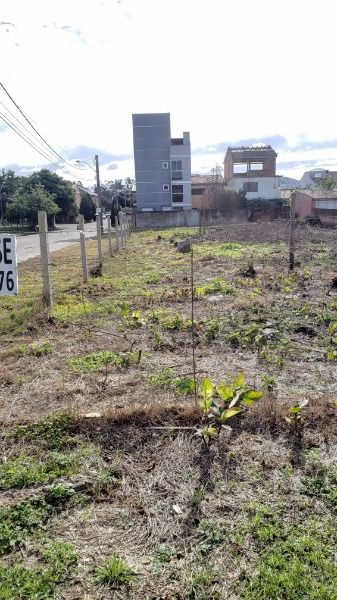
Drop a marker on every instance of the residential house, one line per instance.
(81, 191)
(162, 164)
(317, 204)
(311, 179)
(203, 189)
(253, 170)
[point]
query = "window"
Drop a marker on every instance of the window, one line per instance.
(328, 204)
(256, 166)
(198, 191)
(177, 193)
(177, 141)
(166, 187)
(164, 164)
(240, 168)
(177, 169)
(250, 186)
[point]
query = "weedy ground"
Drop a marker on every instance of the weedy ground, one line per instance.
(105, 491)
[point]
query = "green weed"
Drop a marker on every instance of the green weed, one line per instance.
(53, 429)
(41, 348)
(20, 520)
(211, 536)
(115, 573)
(96, 361)
(28, 470)
(216, 286)
(165, 378)
(201, 585)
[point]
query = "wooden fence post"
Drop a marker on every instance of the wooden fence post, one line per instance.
(83, 249)
(47, 295)
(109, 235)
(291, 233)
(99, 239)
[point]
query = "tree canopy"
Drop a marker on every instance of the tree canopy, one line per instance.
(26, 204)
(87, 207)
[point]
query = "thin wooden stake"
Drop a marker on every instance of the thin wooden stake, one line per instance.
(193, 331)
(291, 233)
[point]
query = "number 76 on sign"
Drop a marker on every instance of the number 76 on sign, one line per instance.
(8, 265)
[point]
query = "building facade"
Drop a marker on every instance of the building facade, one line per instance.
(253, 170)
(162, 164)
(317, 204)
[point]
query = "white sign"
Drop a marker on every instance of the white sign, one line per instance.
(8, 265)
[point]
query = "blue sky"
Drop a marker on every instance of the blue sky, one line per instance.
(228, 71)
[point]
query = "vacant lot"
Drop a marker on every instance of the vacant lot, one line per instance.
(106, 490)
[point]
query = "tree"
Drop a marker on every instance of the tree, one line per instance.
(8, 185)
(27, 203)
(326, 184)
(87, 207)
(228, 201)
(61, 190)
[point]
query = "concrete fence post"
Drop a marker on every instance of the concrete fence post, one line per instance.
(83, 249)
(109, 235)
(99, 239)
(117, 233)
(47, 295)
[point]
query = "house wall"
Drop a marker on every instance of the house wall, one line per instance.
(151, 142)
(303, 205)
(267, 186)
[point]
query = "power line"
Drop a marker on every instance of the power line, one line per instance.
(40, 151)
(36, 131)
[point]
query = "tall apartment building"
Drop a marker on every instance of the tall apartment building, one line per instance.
(162, 164)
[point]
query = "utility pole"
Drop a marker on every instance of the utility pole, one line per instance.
(98, 186)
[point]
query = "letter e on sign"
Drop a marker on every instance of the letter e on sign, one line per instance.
(8, 265)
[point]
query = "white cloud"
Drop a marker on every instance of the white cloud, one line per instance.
(225, 71)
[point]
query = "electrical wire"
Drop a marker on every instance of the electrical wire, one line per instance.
(36, 131)
(42, 151)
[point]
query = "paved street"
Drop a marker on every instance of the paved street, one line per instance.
(29, 246)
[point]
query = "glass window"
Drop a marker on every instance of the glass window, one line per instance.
(177, 169)
(166, 187)
(177, 193)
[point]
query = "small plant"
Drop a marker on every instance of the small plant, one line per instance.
(268, 383)
(61, 558)
(40, 348)
(165, 378)
(295, 420)
(198, 496)
(216, 286)
(96, 361)
(200, 585)
(211, 536)
(54, 430)
(28, 470)
(115, 573)
(221, 404)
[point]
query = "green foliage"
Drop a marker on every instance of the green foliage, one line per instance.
(115, 573)
(18, 582)
(198, 496)
(169, 321)
(211, 536)
(61, 190)
(87, 207)
(165, 378)
(96, 361)
(20, 520)
(28, 470)
(216, 286)
(200, 585)
(295, 419)
(26, 204)
(298, 566)
(53, 430)
(221, 404)
(41, 348)
(323, 488)
(105, 482)
(268, 382)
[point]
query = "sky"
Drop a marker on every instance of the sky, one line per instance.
(232, 72)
